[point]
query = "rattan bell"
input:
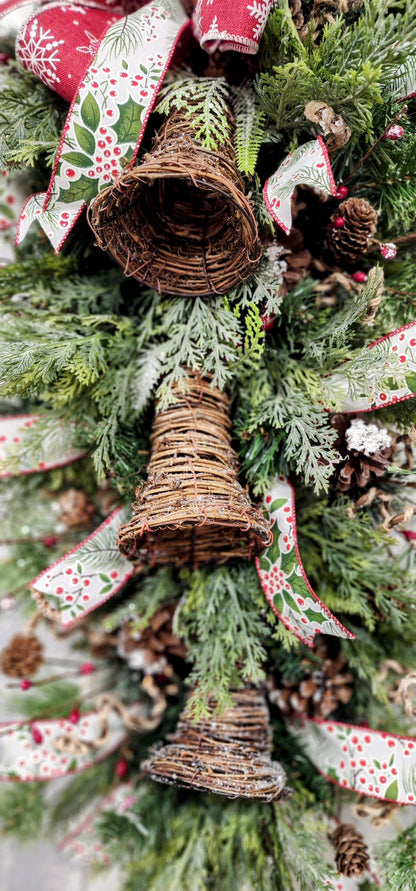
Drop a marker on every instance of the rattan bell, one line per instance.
(192, 509)
(228, 754)
(180, 222)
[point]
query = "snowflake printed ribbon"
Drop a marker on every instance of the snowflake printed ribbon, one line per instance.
(13, 432)
(232, 25)
(400, 346)
(283, 577)
(89, 574)
(108, 116)
(39, 750)
(371, 762)
(308, 165)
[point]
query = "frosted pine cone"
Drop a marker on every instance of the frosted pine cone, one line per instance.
(149, 650)
(367, 449)
(22, 657)
(353, 238)
(76, 510)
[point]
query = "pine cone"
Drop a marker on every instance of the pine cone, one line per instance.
(76, 510)
(367, 460)
(320, 692)
(301, 26)
(351, 855)
(149, 650)
(353, 239)
(22, 657)
(293, 259)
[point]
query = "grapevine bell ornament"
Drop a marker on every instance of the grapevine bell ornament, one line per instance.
(192, 509)
(228, 754)
(180, 222)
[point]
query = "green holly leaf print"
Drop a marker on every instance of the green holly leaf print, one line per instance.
(288, 561)
(129, 122)
(85, 138)
(77, 159)
(277, 504)
(392, 791)
(83, 189)
(6, 211)
(90, 112)
(411, 381)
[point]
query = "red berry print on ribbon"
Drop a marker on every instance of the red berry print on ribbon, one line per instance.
(283, 577)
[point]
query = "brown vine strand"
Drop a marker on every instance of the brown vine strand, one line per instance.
(403, 694)
(228, 753)
(192, 486)
(381, 812)
(180, 221)
(44, 606)
(389, 520)
(106, 704)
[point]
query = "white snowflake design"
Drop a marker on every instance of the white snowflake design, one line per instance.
(92, 47)
(259, 11)
(39, 52)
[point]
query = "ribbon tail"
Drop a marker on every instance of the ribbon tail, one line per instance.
(56, 221)
(283, 577)
(371, 762)
(308, 165)
(85, 577)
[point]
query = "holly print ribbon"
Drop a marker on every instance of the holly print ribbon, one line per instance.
(108, 116)
(398, 347)
(83, 843)
(371, 762)
(12, 199)
(232, 25)
(308, 165)
(16, 453)
(283, 577)
(88, 575)
(47, 749)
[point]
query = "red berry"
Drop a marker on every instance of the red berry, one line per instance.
(25, 684)
(267, 322)
(74, 716)
(121, 768)
(359, 277)
(50, 541)
(338, 222)
(388, 250)
(341, 192)
(36, 734)
(87, 668)
(394, 133)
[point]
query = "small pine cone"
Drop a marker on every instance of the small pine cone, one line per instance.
(149, 650)
(320, 692)
(295, 7)
(22, 657)
(359, 469)
(354, 238)
(351, 855)
(76, 510)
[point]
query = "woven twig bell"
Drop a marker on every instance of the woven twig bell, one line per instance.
(180, 222)
(228, 754)
(192, 509)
